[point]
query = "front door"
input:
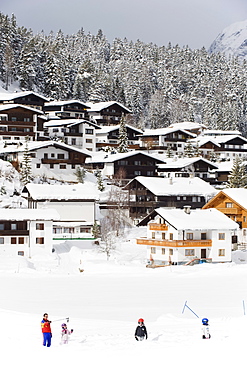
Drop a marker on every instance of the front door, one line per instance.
(203, 253)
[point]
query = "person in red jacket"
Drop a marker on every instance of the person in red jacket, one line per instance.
(46, 330)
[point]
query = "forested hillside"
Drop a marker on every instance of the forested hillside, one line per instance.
(161, 85)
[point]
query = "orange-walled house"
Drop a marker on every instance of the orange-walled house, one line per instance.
(233, 203)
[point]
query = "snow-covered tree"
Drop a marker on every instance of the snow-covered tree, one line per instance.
(100, 182)
(238, 176)
(122, 137)
(80, 174)
(26, 168)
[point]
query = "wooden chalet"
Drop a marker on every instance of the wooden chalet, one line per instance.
(27, 98)
(107, 113)
(65, 109)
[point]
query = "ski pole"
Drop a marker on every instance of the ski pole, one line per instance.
(66, 318)
(185, 305)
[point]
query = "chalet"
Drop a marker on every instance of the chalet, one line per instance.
(50, 159)
(163, 138)
(18, 121)
(65, 109)
(225, 147)
(233, 203)
(75, 204)
(207, 146)
(23, 230)
(186, 167)
(148, 193)
(106, 113)
(76, 132)
(193, 127)
(107, 136)
(27, 98)
(185, 236)
(130, 164)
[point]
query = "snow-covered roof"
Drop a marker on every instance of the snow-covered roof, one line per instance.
(202, 140)
(188, 125)
(68, 122)
(21, 214)
(198, 219)
(225, 138)
(84, 191)
(165, 131)
(97, 107)
(103, 157)
(5, 96)
(34, 145)
(107, 129)
(60, 103)
(176, 186)
(239, 195)
(13, 106)
(220, 132)
(183, 162)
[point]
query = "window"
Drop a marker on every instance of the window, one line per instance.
(221, 252)
(163, 250)
(1, 240)
(39, 240)
(60, 156)
(194, 199)
(203, 236)
(189, 236)
(40, 226)
(137, 173)
(244, 219)
(221, 236)
(150, 173)
(45, 155)
(26, 129)
(1, 226)
(85, 230)
(73, 142)
(52, 155)
(21, 240)
(153, 235)
(13, 240)
(32, 155)
(89, 131)
(171, 236)
(51, 165)
(137, 163)
(229, 205)
(189, 252)
(89, 140)
(153, 250)
(13, 119)
(62, 166)
(13, 226)
(26, 119)
(38, 165)
(20, 253)
(171, 252)
(163, 236)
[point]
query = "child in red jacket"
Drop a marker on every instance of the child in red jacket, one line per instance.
(46, 330)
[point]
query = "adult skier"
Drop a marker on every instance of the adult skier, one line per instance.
(46, 330)
(205, 329)
(141, 331)
(65, 334)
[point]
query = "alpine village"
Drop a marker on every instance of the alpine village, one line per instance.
(98, 138)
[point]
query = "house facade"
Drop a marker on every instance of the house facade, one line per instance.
(50, 159)
(18, 121)
(76, 132)
(75, 204)
(148, 193)
(184, 236)
(27, 98)
(233, 203)
(106, 113)
(23, 230)
(65, 109)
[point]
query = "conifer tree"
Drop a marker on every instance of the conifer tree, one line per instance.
(238, 176)
(122, 137)
(189, 150)
(26, 169)
(80, 174)
(100, 183)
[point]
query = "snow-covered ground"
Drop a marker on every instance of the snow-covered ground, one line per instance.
(105, 301)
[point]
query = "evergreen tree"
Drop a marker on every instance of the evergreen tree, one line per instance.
(100, 183)
(80, 174)
(26, 169)
(189, 150)
(238, 176)
(122, 137)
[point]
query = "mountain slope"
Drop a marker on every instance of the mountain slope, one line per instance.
(232, 41)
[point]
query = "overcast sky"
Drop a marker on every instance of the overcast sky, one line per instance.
(195, 23)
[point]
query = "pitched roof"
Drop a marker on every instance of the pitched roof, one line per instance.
(68, 122)
(60, 103)
(97, 107)
(106, 129)
(5, 96)
(48, 192)
(183, 162)
(103, 157)
(165, 131)
(13, 106)
(198, 219)
(238, 195)
(161, 186)
(21, 214)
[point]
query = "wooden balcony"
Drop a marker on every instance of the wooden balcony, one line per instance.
(230, 211)
(14, 232)
(175, 243)
(161, 227)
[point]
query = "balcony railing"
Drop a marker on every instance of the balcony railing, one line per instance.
(176, 243)
(231, 211)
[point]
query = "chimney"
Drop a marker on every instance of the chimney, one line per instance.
(187, 209)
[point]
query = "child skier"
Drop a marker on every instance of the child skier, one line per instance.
(65, 334)
(205, 329)
(141, 331)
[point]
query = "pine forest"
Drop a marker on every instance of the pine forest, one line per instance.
(161, 85)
